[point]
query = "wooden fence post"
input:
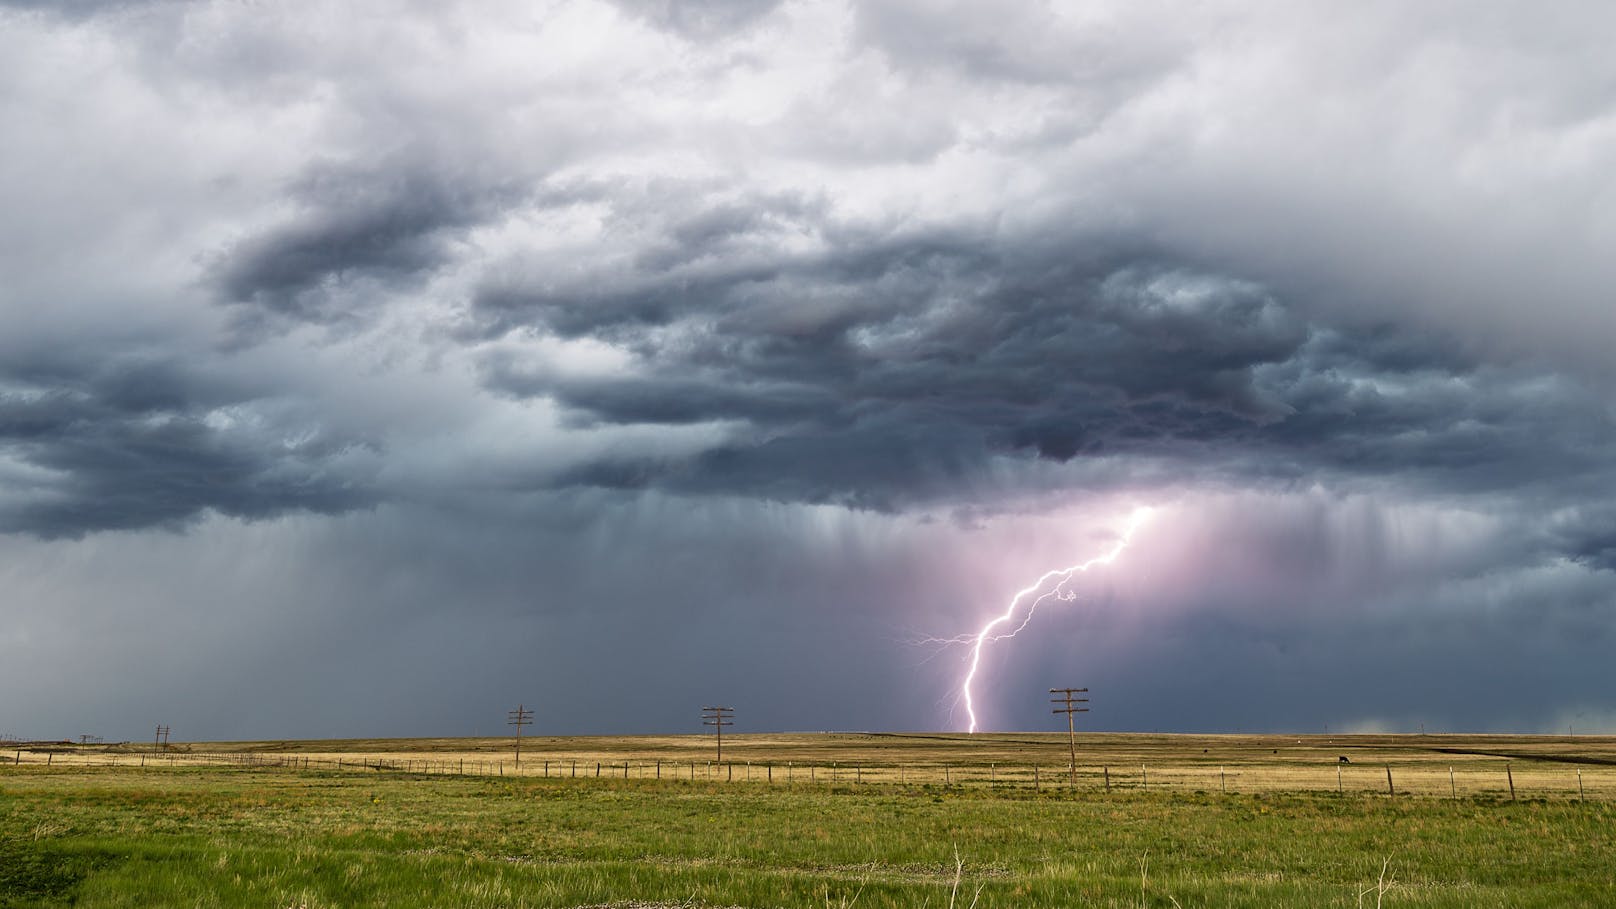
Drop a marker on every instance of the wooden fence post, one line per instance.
(1389, 789)
(1511, 777)
(1223, 781)
(1144, 778)
(1107, 770)
(1453, 788)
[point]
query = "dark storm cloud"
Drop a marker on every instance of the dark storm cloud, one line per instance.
(545, 339)
(879, 370)
(128, 444)
(379, 225)
(1589, 536)
(692, 246)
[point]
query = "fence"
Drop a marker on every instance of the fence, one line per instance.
(1509, 780)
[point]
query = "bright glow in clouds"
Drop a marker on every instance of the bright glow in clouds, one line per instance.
(1058, 591)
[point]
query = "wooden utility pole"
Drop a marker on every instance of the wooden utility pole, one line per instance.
(161, 739)
(1069, 707)
(718, 718)
(519, 717)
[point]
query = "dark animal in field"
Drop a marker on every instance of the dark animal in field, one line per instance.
(1343, 760)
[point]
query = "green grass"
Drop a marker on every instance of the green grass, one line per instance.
(205, 837)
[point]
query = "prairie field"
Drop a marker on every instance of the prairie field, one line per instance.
(816, 820)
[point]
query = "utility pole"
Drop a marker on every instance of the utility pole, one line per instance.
(519, 717)
(161, 739)
(717, 717)
(1068, 706)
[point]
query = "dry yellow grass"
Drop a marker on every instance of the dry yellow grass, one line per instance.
(1430, 765)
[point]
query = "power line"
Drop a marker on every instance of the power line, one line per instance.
(716, 717)
(1069, 708)
(519, 717)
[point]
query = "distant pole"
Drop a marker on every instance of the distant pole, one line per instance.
(718, 718)
(519, 717)
(1068, 701)
(160, 740)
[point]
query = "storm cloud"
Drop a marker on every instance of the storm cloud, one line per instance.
(592, 330)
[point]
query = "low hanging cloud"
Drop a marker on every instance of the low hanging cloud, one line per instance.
(133, 444)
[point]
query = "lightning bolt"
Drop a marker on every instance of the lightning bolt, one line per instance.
(1060, 576)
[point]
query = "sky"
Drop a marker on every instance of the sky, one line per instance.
(368, 368)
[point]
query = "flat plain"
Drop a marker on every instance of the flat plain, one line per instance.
(852, 819)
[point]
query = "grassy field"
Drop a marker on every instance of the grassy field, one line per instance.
(1435, 765)
(92, 828)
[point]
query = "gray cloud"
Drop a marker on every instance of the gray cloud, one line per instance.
(572, 340)
(362, 232)
(1589, 536)
(136, 443)
(923, 358)
(1117, 53)
(80, 9)
(699, 19)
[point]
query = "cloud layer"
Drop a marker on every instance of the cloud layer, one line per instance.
(908, 296)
